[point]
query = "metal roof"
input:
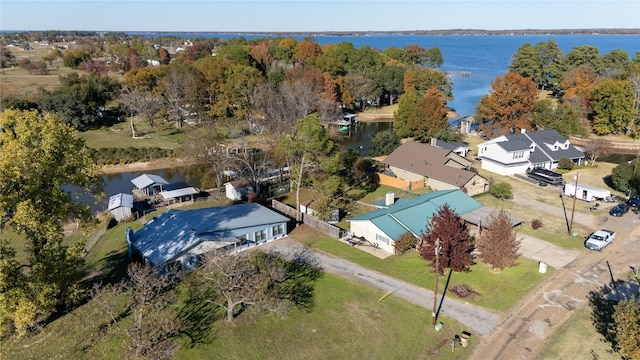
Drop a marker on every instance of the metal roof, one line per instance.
(178, 192)
(415, 214)
(120, 200)
(145, 180)
(175, 231)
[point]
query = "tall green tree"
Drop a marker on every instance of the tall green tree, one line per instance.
(310, 143)
(542, 63)
(81, 100)
(40, 158)
(384, 143)
(548, 114)
(613, 104)
(584, 55)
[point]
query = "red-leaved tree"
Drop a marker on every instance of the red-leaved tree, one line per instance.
(453, 239)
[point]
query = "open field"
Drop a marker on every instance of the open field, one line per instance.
(577, 339)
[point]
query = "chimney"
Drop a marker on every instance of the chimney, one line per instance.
(433, 141)
(522, 131)
(389, 199)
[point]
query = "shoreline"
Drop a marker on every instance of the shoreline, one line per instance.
(142, 166)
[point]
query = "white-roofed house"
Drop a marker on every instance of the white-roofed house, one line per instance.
(183, 236)
(120, 206)
(149, 184)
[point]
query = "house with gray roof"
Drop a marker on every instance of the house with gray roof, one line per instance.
(387, 224)
(457, 147)
(439, 168)
(514, 154)
(183, 236)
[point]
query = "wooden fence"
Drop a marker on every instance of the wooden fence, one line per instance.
(399, 183)
(331, 230)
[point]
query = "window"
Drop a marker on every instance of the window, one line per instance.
(260, 235)
(278, 230)
(382, 238)
(518, 155)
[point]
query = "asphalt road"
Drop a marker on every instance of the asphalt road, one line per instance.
(479, 321)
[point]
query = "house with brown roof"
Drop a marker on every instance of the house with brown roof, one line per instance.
(439, 168)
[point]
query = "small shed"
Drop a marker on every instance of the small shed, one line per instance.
(149, 184)
(586, 193)
(179, 195)
(120, 206)
(238, 190)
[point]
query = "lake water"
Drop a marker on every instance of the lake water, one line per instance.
(483, 58)
(480, 58)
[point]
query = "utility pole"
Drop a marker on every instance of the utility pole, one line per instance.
(435, 290)
(575, 195)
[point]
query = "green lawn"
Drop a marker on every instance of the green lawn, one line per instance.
(553, 230)
(119, 135)
(498, 291)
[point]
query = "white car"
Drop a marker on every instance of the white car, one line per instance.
(600, 239)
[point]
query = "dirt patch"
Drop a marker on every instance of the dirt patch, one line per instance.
(144, 166)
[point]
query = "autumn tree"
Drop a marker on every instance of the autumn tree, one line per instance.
(309, 143)
(454, 242)
(627, 327)
(613, 103)
(40, 159)
(498, 243)
(509, 106)
(421, 117)
(577, 86)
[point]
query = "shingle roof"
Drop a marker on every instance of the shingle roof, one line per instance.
(451, 145)
(175, 231)
(516, 144)
(415, 214)
(429, 161)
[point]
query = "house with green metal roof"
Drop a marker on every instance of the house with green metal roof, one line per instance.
(384, 226)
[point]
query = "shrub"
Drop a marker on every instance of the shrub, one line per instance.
(407, 241)
(536, 224)
(565, 164)
(501, 190)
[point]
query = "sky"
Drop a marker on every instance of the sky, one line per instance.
(316, 16)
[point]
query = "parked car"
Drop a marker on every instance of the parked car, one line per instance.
(600, 239)
(634, 201)
(619, 210)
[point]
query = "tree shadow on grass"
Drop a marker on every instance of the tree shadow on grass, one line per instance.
(602, 309)
(114, 269)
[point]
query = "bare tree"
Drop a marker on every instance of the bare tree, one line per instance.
(597, 148)
(149, 297)
(498, 243)
(145, 105)
(256, 280)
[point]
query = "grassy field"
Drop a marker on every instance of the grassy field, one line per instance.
(119, 135)
(498, 291)
(577, 339)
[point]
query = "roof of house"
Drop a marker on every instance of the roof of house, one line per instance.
(415, 214)
(145, 180)
(451, 145)
(429, 161)
(237, 184)
(172, 233)
(545, 140)
(120, 200)
(171, 194)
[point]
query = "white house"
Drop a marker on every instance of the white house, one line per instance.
(514, 154)
(183, 236)
(120, 206)
(383, 227)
